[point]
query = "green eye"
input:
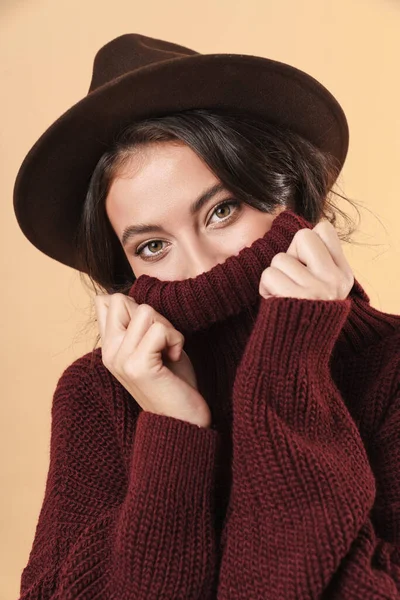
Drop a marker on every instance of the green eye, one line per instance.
(152, 243)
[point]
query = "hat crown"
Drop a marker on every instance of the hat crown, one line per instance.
(130, 52)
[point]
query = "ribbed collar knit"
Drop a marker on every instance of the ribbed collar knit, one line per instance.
(230, 288)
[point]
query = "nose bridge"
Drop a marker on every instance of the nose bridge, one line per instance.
(200, 255)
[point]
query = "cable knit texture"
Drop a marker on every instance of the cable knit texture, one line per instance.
(292, 494)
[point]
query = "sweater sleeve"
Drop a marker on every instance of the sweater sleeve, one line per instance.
(108, 530)
(304, 520)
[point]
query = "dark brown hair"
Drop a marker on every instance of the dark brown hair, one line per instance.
(260, 163)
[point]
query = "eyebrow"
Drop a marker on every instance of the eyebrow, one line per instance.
(195, 207)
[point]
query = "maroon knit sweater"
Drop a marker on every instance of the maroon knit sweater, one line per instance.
(294, 493)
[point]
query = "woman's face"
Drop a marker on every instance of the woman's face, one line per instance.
(158, 189)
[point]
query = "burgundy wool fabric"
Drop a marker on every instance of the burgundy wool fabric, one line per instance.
(292, 494)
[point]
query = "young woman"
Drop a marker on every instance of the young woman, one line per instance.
(237, 435)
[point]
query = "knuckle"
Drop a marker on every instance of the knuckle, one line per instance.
(266, 274)
(157, 326)
(279, 258)
(130, 299)
(144, 310)
(323, 224)
(305, 235)
(116, 297)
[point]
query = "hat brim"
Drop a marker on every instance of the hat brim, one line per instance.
(52, 181)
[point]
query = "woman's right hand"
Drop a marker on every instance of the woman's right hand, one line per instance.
(145, 353)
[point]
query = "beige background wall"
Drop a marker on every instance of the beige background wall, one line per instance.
(46, 49)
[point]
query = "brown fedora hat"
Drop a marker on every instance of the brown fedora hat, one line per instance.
(136, 77)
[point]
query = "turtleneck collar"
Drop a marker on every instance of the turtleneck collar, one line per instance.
(231, 288)
(228, 288)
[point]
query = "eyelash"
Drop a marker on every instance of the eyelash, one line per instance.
(228, 202)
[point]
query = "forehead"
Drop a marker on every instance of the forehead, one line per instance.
(158, 175)
(163, 157)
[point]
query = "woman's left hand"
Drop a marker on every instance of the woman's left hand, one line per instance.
(314, 267)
